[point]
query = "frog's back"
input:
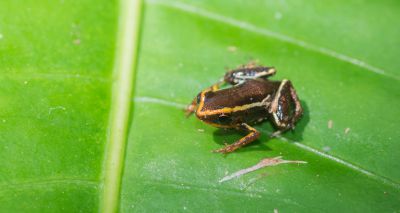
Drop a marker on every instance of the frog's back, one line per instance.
(251, 91)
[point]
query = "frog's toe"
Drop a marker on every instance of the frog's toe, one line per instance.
(225, 150)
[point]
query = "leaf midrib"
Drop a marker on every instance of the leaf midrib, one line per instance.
(123, 74)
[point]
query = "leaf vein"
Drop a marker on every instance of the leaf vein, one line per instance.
(346, 164)
(45, 184)
(51, 76)
(238, 192)
(272, 34)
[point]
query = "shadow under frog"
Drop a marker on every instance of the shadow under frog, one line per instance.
(227, 136)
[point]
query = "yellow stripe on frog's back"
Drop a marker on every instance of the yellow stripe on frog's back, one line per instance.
(227, 110)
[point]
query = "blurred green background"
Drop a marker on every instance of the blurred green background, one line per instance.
(56, 80)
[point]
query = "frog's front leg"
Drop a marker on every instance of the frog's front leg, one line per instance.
(191, 108)
(250, 137)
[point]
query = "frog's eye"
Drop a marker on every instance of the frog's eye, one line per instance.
(224, 119)
(198, 98)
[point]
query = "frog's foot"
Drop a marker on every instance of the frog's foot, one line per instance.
(252, 136)
(224, 150)
(190, 109)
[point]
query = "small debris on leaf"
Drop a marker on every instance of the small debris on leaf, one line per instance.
(200, 130)
(232, 49)
(347, 130)
(278, 16)
(77, 41)
(51, 109)
(330, 124)
(263, 163)
(326, 148)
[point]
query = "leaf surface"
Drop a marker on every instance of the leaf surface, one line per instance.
(56, 82)
(186, 46)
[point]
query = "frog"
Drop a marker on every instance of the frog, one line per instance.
(249, 98)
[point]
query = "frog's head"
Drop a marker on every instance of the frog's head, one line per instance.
(212, 114)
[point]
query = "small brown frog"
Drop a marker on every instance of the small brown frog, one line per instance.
(251, 99)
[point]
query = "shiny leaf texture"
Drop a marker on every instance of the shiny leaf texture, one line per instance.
(57, 59)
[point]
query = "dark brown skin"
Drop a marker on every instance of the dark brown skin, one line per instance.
(249, 92)
(252, 99)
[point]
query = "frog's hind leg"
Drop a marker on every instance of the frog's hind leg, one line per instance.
(250, 137)
(285, 108)
(240, 75)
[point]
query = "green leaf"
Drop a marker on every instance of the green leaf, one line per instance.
(65, 84)
(56, 59)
